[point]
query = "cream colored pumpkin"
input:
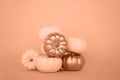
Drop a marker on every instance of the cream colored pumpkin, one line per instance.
(48, 64)
(76, 44)
(44, 31)
(28, 59)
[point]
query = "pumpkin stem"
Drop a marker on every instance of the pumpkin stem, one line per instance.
(31, 60)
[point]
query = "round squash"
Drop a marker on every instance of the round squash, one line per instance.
(28, 59)
(48, 64)
(55, 45)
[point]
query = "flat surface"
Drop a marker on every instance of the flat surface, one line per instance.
(96, 21)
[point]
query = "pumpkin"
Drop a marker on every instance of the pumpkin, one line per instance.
(73, 62)
(28, 59)
(44, 31)
(76, 44)
(48, 64)
(55, 45)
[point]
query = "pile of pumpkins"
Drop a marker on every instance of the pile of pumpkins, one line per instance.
(56, 52)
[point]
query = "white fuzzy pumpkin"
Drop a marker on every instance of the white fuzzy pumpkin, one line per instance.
(28, 59)
(44, 31)
(45, 64)
(76, 44)
(53, 43)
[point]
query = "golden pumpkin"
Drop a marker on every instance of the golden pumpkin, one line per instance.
(48, 64)
(73, 61)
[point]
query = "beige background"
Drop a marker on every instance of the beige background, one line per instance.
(96, 21)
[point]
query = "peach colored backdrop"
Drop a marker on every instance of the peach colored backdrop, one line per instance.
(96, 21)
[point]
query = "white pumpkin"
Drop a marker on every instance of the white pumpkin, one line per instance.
(44, 31)
(76, 44)
(48, 64)
(28, 59)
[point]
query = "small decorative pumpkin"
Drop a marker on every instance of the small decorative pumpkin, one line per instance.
(44, 31)
(55, 45)
(48, 64)
(28, 59)
(76, 44)
(73, 62)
